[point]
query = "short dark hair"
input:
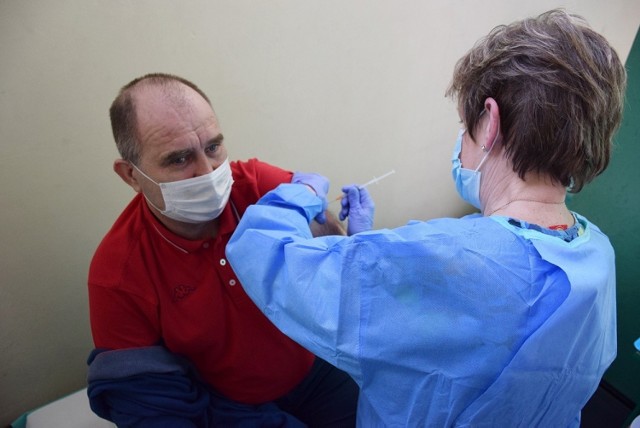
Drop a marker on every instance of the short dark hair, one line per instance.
(560, 89)
(123, 111)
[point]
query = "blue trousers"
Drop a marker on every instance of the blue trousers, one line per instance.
(327, 397)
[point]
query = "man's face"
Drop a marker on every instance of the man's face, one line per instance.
(179, 139)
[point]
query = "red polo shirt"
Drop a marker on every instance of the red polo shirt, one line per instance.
(149, 286)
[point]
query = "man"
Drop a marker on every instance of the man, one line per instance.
(178, 342)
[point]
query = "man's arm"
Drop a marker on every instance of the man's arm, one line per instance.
(332, 226)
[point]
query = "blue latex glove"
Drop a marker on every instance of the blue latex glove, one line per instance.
(359, 207)
(319, 184)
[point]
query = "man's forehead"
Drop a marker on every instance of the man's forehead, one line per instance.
(174, 94)
(164, 114)
(154, 100)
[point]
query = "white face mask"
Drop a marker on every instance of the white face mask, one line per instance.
(198, 199)
(467, 180)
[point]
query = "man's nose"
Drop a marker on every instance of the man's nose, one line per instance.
(204, 165)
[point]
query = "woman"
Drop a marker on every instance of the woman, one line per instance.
(501, 318)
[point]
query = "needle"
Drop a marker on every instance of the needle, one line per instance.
(374, 180)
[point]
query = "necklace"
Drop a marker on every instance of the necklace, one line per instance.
(524, 200)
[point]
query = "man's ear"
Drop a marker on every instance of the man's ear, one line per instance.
(493, 123)
(125, 170)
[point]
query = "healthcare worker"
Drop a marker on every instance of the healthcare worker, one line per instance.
(504, 318)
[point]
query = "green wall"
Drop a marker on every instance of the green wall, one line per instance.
(612, 202)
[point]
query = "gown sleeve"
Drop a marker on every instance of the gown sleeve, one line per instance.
(304, 286)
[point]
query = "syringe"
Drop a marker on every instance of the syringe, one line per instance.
(374, 180)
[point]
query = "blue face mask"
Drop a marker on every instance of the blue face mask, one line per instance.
(467, 180)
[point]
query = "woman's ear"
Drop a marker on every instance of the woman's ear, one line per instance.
(492, 131)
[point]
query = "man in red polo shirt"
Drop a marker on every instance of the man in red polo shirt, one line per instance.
(178, 342)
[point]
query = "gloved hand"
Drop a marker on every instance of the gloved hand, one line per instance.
(359, 207)
(319, 184)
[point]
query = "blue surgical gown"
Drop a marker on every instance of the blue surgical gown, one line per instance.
(471, 322)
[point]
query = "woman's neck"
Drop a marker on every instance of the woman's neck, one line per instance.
(535, 200)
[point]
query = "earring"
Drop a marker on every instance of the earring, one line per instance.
(484, 149)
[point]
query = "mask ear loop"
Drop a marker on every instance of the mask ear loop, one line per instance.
(484, 149)
(144, 175)
(154, 182)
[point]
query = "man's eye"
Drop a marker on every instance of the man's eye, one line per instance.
(179, 160)
(212, 148)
